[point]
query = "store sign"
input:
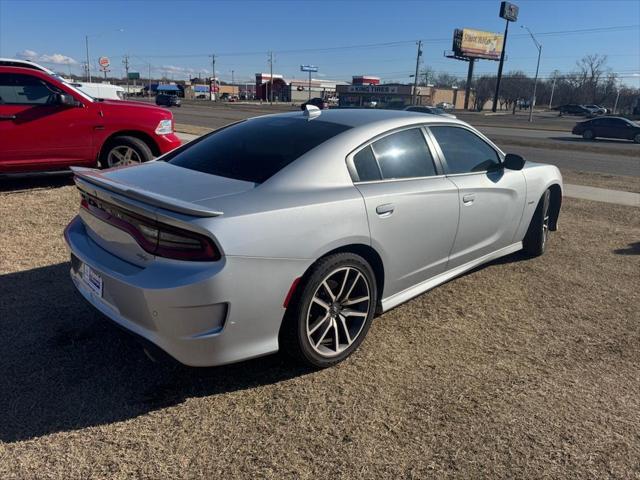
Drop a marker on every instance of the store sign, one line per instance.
(509, 11)
(372, 89)
(104, 62)
(308, 68)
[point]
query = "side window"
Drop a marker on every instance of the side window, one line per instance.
(366, 165)
(404, 155)
(25, 90)
(464, 151)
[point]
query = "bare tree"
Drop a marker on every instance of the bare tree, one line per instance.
(591, 70)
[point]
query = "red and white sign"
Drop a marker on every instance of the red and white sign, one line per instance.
(104, 62)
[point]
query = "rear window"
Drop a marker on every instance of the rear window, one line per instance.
(257, 149)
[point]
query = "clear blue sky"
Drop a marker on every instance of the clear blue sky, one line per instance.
(175, 37)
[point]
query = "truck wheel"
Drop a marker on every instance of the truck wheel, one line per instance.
(124, 150)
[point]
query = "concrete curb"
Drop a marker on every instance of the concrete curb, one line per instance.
(595, 194)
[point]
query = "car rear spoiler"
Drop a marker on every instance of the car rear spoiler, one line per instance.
(93, 176)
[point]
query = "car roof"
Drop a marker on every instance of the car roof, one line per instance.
(13, 62)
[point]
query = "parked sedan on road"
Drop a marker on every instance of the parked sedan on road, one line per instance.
(608, 127)
(573, 109)
(597, 109)
(292, 231)
(430, 110)
(47, 124)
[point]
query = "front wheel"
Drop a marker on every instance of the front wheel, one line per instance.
(124, 150)
(332, 312)
(535, 241)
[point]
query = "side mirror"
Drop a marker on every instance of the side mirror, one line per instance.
(513, 161)
(66, 99)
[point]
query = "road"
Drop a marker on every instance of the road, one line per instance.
(555, 147)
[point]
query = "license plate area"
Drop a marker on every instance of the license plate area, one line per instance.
(91, 278)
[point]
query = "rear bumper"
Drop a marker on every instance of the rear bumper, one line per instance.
(200, 313)
(166, 143)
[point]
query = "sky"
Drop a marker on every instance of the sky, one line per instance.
(343, 38)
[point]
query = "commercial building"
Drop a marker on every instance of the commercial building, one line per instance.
(367, 91)
(294, 90)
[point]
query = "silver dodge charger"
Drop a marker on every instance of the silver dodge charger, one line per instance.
(293, 231)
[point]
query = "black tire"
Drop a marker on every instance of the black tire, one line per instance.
(588, 135)
(535, 241)
(294, 338)
(636, 138)
(140, 148)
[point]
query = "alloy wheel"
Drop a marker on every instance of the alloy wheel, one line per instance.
(545, 218)
(122, 155)
(338, 311)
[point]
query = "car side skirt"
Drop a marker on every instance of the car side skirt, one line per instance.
(406, 295)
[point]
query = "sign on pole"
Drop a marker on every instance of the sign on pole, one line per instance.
(509, 11)
(104, 62)
(309, 68)
(133, 75)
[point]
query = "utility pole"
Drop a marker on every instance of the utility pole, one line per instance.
(535, 81)
(415, 79)
(232, 78)
(615, 105)
(553, 87)
(149, 91)
(125, 62)
(212, 85)
(86, 43)
(271, 78)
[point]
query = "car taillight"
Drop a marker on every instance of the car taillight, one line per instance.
(154, 237)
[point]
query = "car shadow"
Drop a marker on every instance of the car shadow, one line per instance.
(20, 183)
(66, 367)
(631, 249)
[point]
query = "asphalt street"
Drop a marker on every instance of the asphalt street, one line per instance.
(559, 148)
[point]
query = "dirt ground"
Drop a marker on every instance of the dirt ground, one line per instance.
(521, 369)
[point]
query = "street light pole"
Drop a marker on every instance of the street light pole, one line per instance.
(535, 81)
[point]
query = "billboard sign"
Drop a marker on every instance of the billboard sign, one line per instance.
(509, 11)
(308, 68)
(471, 43)
(104, 62)
(133, 76)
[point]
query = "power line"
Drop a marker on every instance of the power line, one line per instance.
(399, 43)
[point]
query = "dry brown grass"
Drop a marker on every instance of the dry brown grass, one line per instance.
(521, 369)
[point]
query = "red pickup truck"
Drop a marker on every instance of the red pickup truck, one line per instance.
(47, 124)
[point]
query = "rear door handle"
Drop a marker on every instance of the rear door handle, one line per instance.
(385, 210)
(469, 198)
(7, 117)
